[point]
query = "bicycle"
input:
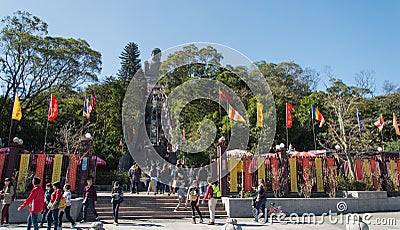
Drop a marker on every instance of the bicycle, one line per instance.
(275, 212)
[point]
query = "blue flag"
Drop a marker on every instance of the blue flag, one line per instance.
(360, 126)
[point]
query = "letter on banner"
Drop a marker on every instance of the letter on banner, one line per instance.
(367, 172)
(73, 168)
(23, 172)
(233, 175)
(248, 179)
(359, 170)
(57, 168)
(275, 174)
(2, 161)
(318, 171)
(306, 171)
(372, 163)
(40, 165)
(293, 174)
(393, 175)
(261, 168)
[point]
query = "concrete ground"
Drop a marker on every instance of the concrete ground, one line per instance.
(388, 220)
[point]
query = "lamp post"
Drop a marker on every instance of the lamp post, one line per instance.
(285, 171)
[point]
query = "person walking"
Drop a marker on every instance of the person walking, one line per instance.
(212, 194)
(181, 196)
(52, 215)
(153, 179)
(7, 195)
(89, 200)
(47, 196)
(194, 197)
(67, 210)
(35, 201)
(116, 200)
(260, 199)
(135, 173)
(202, 176)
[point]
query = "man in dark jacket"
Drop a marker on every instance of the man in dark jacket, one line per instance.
(89, 200)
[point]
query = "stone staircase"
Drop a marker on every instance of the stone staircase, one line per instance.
(142, 206)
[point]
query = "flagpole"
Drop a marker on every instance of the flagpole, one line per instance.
(287, 130)
(313, 129)
(45, 136)
(9, 135)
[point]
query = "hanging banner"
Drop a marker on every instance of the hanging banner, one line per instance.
(73, 168)
(275, 174)
(261, 168)
(57, 168)
(306, 171)
(394, 175)
(233, 174)
(2, 162)
(398, 172)
(239, 166)
(293, 174)
(359, 170)
(40, 164)
(248, 179)
(318, 171)
(330, 162)
(85, 163)
(374, 173)
(367, 171)
(23, 172)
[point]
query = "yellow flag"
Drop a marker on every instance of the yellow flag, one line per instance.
(260, 114)
(17, 113)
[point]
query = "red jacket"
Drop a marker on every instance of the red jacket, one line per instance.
(36, 199)
(209, 193)
(56, 196)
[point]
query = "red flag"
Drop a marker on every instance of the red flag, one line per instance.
(289, 121)
(224, 97)
(93, 101)
(53, 109)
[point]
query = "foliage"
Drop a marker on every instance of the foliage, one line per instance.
(347, 184)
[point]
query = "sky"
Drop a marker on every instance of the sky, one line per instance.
(347, 36)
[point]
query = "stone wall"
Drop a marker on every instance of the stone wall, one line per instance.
(20, 217)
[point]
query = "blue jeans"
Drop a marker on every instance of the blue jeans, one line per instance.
(153, 180)
(32, 219)
(89, 204)
(52, 217)
(261, 205)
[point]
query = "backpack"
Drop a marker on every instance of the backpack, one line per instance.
(62, 203)
(216, 191)
(193, 195)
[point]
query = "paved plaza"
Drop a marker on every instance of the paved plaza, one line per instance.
(377, 220)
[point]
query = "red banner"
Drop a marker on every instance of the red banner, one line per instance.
(73, 168)
(306, 170)
(275, 173)
(359, 170)
(2, 161)
(372, 163)
(248, 178)
(40, 164)
(398, 171)
(289, 121)
(330, 162)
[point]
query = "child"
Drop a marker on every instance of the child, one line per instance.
(194, 197)
(181, 196)
(116, 200)
(47, 194)
(67, 210)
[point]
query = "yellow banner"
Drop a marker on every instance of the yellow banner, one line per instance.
(239, 166)
(57, 168)
(394, 175)
(23, 172)
(260, 116)
(293, 175)
(261, 168)
(233, 174)
(17, 112)
(318, 171)
(367, 171)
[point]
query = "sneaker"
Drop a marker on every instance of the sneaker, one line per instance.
(210, 223)
(175, 210)
(116, 223)
(201, 221)
(73, 225)
(97, 219)
(83, 221)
